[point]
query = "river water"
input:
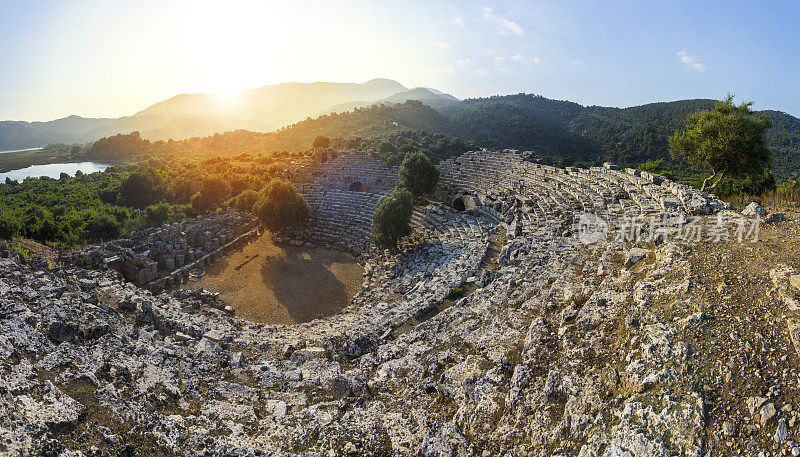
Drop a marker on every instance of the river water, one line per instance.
(20, 150)
(53, 170)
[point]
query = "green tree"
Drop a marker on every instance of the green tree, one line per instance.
(213, 192)
(9, 225)
(143, 187)
(386, 147)
(157, 214)
(417, 174)
(245, 200)
(280, 205)
(321, 142)
(102, 227)
(728, 140)
(392, 217)
(406, 148)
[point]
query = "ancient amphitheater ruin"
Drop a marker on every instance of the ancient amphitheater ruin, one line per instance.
(497, 328)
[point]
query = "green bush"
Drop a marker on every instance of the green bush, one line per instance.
(102, 227)
(245, 200)
(455, 292)
(392, 217)
(386, 147)
(9, 225)
(158, 214)
(280, 205)
(213, 192)
(417, 174)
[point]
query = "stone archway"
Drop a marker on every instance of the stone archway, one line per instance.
(357, 186)
(458, 204)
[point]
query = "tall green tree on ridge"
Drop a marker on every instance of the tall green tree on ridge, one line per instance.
(728, 140)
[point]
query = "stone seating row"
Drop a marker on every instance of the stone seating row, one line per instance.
(554, 192)
(340, 218)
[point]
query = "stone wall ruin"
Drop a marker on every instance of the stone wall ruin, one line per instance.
(161, 257)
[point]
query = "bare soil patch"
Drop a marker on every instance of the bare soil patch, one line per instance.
(744, 350)
(273, 284)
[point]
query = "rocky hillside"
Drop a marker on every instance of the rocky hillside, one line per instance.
(486, 333)
(568, 353)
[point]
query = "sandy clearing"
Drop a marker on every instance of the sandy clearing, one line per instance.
(283, 284)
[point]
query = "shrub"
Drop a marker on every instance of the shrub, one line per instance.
(213, 192)
(280, 205)
(102, 227)
(455, 292)
(245, 200)
(385, 147)
(321, 142)
(157, 214)
(417, 174)
(392, 216)
(9, 225)
(142, 188)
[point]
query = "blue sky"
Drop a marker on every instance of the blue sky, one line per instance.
(113, 58)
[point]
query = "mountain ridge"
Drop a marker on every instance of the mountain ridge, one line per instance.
(188, 115)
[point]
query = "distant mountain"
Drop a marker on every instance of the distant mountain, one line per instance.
(188, 115)
(384, 109)
(431, 97)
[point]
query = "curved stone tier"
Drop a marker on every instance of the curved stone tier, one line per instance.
(500, 179)
(342, 194)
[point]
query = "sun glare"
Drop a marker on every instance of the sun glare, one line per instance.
(228, 96)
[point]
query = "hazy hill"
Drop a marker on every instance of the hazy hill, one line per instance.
(188, 115)
(430, 97)
(523, 121)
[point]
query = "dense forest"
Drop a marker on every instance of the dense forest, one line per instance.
(107, 205)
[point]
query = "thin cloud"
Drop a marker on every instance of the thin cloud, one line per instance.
(459, 21)
(522, 59)
(506, 26)
(691, 61)
(441, 44)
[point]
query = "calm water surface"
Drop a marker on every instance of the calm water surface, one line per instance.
(53, 170)
(20, 150)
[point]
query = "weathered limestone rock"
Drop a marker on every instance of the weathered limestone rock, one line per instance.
(634, 256)
(754, 209)
(53, 410)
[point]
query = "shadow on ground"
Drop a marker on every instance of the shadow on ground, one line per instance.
(283, 284)
(302, 282)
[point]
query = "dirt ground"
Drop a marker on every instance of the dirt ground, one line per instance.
(283, 284)
(745, 350)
